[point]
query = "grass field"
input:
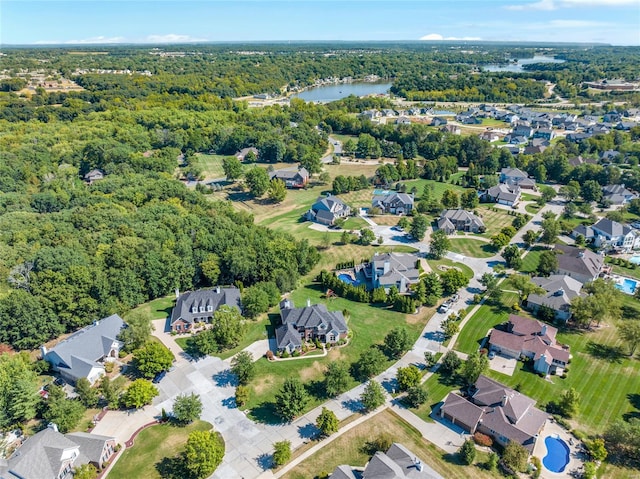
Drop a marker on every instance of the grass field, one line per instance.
(473, 248)
(494, 220)
(530, 261)
(369, 326)
(155, 453)
(210, 165)
(532, 208)
(351, 448)
(434, 263)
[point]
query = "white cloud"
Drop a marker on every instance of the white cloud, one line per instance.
(173, 38)
(555, 4)
(438, 37)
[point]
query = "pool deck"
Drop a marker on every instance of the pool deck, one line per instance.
(575, 457)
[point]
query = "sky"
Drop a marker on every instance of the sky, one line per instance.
(182, 21)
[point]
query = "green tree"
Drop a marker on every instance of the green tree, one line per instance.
(524, 286)
(515, 457)
(511, 255)
(257, 180)
(550, 230)
(569, 403)
(243, 367)
(336, 378)
(416, 396)
(203, 453)
(85, 471)
(397, 342)
(529, 238)
(499, 240)
(469, 199)
(282, 453)
(432, 284)
(404, 223)
(452, 280)
(547, 193)
(152, 358)
(242, 395)
(327, 422)
(450, 363)
(408, 377)
(370, 363)
(18, 389)
(366, 236)
(439, 244)
(597, 449)
(64, 413)
(255, 301)
(419, 227)
(277, 191)
(87, 395)
(475, 365)
(139, 393)
(187, 409)
(210, 268)
(490, 282)
(232, 168)
(629, 332)
(292, 399)
(373, 396)
(547, 263)
(467, 452)
(591, 191)
(228, 327)
(590, 471)
(450, 199)
(137, 332)
(570, 191)
(450, 329)
(622, 439)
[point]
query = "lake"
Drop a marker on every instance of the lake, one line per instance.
(517, 67)
(328, 93)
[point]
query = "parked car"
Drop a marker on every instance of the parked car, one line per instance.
(455, 298)
(444, 307)
(159, 377)
(59, 382)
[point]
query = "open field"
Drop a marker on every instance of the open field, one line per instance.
(474, 248)
(350, 449)
(435, 263)
(494, 219)
(369, 325)
(155, 452)
(530, 261)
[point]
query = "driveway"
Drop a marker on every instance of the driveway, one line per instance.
(122, 424)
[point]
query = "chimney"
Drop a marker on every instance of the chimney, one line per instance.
(43, 351)
(543, 331)
(286, 304)
(308, 302)
(387, 266)
(177, 293)
(218, 289)
(503, 403)
(53, 426)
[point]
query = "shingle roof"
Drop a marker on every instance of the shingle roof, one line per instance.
(561, 290)
(514, 173)
(460, 215)
(611, 228)
(315, 317)
(91, 445)
(213, 298)
(578, 260)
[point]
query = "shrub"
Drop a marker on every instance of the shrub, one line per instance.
(482, 439)
(109, 366)
(285, 354)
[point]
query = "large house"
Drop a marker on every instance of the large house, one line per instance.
(393, 269)
(397, 463)
(497, 411)
(94, 175)
(532, 339)
(308, 324)
(516, 177)
(579, 263)
(327, 210)
(242, 154)
(460, 220)
(560, 291)
(608, 233)
(394, 203)
(195, 307)
(617, 194)
(293, 178)
(51, 455)
(83, 354)
(503, 194)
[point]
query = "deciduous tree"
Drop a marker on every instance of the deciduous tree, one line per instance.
(408, 377)
(203, 453)
(439, 244)
(152, 358)
(292, 399)
(243, 367)
(139, 393)
(373, 396)
(187, 409)
(327, 422)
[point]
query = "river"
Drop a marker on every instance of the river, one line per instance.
(327, 93)
(517, 67)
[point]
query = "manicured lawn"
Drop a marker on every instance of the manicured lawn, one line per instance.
(435, 263)
(530, 261)
(210, 165)
(472, 247)
(355, 223)
(532, 208)
(158, 308)
(369, 325)
(623, 270)
(494, 220)
(350, 448)
(155, 447)
(438, 386)
(438, 188)
(529, 197)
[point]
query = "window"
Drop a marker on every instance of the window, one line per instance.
(209, 308)
(201, 309)
(332, 338)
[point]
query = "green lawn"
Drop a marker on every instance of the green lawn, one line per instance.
(438, 386)
(532, 208)
(155, 452)
(210, 165)
(438, 187)
(494, 219)
(355, 223)
(434, 263)
(472, 247)
(369, 325)
(623, 270)
(530, 261)
(351, 448)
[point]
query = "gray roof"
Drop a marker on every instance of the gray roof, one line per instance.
(578, 260)
(344, 472)
(400, 265)
(315, 317)
(207, 298)
(91, 445)
(80, 352)
(287, 335)
(513, 173)
(290, 174)
(393, 200)
(611, 228)
(504, 192)
(583, 230)
(397, 463)
(560, 291)
(462, 216)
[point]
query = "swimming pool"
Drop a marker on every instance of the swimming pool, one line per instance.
(557, 456)
(346, 278)
(635, 259)
(627, 286)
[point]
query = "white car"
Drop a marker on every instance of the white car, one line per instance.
(444, 307)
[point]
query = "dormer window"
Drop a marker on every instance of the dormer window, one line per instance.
(201, 309)
(209, 307)
(194, 309)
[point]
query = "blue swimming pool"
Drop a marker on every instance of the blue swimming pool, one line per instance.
(627, 286)
(346, 278)
(635, 259)
(557, 456)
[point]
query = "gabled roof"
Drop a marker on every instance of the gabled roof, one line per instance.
(329, 203)
(400, 266)
(393, 199)
(560, 291)
(460, 215)
(578, 260)
(315, 317)
(80, 351)
(611, 228)
(91, 445)
(290, 174)
(514, 173)
(214, 298)
(583, 230)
